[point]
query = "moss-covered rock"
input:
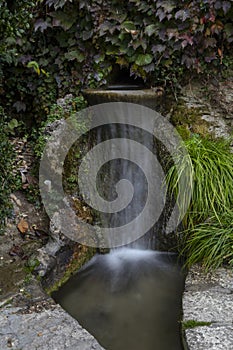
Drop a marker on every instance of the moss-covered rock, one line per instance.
(189, 120)
(80, 256)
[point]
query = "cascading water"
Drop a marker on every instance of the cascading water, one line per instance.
(129, 299)
(119, 169)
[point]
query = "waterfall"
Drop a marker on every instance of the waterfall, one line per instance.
(123, 139)
(131, 298)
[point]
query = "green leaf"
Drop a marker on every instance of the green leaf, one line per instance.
(12, 124)
(121, 36)
(123, 48)
(120, 17)
(111, 50)
(75, 55)
(229, 29)
(99, 58)
(10, 41)
(35, 66)
(167, 62)
(143, 60)
(121, 61)
(128, 26)
(64, 20)
(151, 29)
(87, 34)
(130, 51)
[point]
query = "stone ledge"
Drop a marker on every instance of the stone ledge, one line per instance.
(49, 329)
(209, 298)
(208, 306)
(210, 338)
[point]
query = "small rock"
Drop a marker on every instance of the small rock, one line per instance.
(9, 343)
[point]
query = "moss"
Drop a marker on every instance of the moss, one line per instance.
(31, 264)
(183, 131)
(81, 255)
(72, 163)
(189, 120)
(194, 323)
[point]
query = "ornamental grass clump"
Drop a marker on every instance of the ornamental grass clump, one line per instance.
(211, 242)
(211, 183)
(208, 233)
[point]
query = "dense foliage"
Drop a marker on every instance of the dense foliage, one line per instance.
(25, 94)
(152, 38)
(50, 48)
(212, 185)
(6, 168)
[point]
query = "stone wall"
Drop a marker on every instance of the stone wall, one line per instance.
(205, 110)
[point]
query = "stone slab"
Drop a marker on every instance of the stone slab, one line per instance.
(215, 337)
(51, 329)
(208, 306)
(209, 298)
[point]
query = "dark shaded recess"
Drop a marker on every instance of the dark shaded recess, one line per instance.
(11, 4)
(121, 77)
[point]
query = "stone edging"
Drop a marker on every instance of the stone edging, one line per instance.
(209, 298)
(44, 325)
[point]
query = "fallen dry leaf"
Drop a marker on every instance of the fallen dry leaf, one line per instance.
(23, 226)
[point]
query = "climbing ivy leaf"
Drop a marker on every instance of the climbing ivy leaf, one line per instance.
(143, 60)
(229, 30)
(63, 19)
(128, 26)
(151, 29)
(75, 55)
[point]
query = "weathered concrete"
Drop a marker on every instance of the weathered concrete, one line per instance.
(209, 298)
